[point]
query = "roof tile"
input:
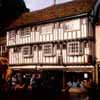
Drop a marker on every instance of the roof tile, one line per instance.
(75, 7)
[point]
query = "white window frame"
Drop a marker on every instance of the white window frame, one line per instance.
(72, 25)
(29, 51)
(18, 49)
(26, 31)
(52, 50)
(69, 48)
(47, 29)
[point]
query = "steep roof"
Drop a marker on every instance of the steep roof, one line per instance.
(76, 7)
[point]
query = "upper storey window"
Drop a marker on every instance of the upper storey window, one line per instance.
(46, 29)
(72, 25)
(74, 48)
(25, 31)
(48, 50)
(17, 49)
(27, 51)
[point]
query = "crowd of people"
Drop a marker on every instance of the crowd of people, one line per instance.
(86, 86)
(20, 84)
(86, 83)
(23, 85)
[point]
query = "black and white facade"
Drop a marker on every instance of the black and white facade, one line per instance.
(65, 44)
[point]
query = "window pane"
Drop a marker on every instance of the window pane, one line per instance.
(47, 49)
(25, 31)
(73, 48)
(25, 51)
(17, 49)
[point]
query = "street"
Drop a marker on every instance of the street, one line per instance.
(45, 95)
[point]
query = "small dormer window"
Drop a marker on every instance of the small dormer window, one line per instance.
(25, 31)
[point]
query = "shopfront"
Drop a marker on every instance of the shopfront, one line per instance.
(77, 74)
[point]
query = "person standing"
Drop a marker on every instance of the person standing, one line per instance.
(53, 86)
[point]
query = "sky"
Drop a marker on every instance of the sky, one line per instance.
(40, 4)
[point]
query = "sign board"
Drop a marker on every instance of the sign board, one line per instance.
(85, 75)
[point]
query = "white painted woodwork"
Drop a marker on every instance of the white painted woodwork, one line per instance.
(35, 56)
(44, 37)
(55, 34)
(78, 34)
(58, 54)
(64, 55)
(23, 67)
(74, 35)
(63, 67)
(72, 25)
(32, 36)
(61, 32)
(37, 36)
(65, 36)
(75, 59)
(47, 59)
(51, 37)
(10, 55)
(71, 29)
(38, 57)
(69, 35)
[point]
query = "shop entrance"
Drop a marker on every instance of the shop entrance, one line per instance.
(77, 77)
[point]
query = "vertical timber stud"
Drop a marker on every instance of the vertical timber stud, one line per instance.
(93, 74)
(96, 74)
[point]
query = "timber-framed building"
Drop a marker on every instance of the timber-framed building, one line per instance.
(59, 39)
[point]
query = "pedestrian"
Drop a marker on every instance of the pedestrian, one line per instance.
(14, 81)
(69, 84)
(53, 86)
